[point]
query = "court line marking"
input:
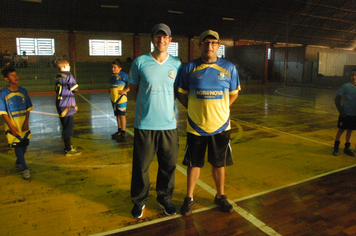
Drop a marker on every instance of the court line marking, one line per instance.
(45, 113)
(238, 209)
(249, 217)
(104, 113)
(294, 183)
(283, 132)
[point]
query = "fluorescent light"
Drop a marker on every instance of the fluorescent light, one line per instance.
(31, 0)
(228, 18)
(109, 6)
(175, 12)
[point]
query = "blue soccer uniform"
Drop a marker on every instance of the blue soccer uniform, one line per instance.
(118, 82)
(15, 104)
(208, 86)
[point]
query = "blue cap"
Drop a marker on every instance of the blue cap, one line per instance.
(161, 27)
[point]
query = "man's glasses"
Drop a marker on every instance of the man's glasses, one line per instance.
(213, 43)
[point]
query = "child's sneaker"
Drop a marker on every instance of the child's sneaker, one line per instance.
(72, 152)
(349, 152)
(115, 136)
(122, 138)
(26, 174)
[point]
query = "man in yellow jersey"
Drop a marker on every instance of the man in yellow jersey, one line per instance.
(207, 86)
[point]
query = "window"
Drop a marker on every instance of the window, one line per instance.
(269, 54)
(35, 46)
(103, 47)
(221, 51)
(172, 48)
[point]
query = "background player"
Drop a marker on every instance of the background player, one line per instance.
(118, 93)
(15, 106)
(66, 105)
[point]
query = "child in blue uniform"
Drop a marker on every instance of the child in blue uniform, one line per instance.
(118, 89)
(66, 105)
(15, 106)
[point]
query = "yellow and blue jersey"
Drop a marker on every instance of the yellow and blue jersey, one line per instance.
(118, 82)
(155, 98)
(15, 104)
(208, 86)
(65, 101)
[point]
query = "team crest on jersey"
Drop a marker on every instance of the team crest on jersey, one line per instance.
(222, 76)
(197, 76)
(172, 74)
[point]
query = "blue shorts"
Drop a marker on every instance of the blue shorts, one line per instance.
(119, 109)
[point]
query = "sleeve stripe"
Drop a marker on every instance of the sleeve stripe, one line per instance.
(180, 90)
(74, 87)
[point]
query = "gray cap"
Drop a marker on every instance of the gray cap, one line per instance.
(161, 27)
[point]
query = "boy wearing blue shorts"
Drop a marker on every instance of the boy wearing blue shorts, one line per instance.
(118, 94)
(207, 86)
(15, 106)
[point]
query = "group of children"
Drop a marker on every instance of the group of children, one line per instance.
(15, 107)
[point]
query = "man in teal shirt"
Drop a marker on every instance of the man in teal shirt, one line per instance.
(152, 85)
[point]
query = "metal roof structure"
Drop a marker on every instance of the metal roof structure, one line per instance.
(330, 23)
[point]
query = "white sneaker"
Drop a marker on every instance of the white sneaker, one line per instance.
(26, 174)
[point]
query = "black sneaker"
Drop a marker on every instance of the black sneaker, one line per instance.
(168, 207)
(136, 211)
(186, 209)
(336, 152)
(115, 136)
(349, 152)
(121, 138)
(223, 203)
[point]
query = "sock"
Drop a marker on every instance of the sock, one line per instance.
(347, 145)
(119, 130)
(336, 145)
(123, 132)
